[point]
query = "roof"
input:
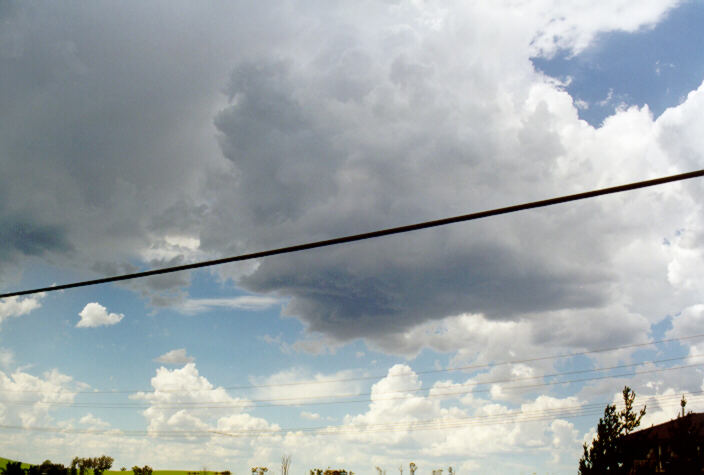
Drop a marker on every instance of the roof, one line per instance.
(668, 430)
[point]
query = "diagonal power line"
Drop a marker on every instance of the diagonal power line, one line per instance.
(371, 235)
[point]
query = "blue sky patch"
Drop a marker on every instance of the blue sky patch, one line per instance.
(656, 66)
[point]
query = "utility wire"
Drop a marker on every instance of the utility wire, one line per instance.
(370, 235)
(510, 417)
(381, 376)
(340, 399)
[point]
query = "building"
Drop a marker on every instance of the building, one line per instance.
(676, 446)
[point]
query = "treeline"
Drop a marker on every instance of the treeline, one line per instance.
(79, 466)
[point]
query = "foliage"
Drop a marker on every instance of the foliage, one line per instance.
(146, 470)
(12, 468)
(605, 455)
(47, 468)
(97, 464)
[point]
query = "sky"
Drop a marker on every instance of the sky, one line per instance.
(142, 135)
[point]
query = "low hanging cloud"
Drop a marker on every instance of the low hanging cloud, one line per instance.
(175, 357)
(95, 315)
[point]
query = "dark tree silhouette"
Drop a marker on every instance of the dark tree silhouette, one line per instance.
(12, 468)
(605, 455)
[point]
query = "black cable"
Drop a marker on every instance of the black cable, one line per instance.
(370, 235)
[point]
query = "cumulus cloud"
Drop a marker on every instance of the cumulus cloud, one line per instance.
(16, 306)
(347, 156)
(175, 357)
(402, 418)
(95, 315)
(182, 399)
(47, 391)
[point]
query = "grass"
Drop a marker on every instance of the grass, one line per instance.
(3, 463)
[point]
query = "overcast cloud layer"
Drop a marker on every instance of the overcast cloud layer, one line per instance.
(241, 128)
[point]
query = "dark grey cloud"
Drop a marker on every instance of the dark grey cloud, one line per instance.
(131, 132)
(107, 123)
(304, 172)
(20, 235)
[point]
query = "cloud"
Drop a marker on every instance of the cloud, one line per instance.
(337, 159)
(296, 385)
(95, 315)
(93, 422)
(175, 357)
(245, 302)
(313, 416)
(16, 306)
(182, 399)
(339, 119)
(415, 424)
(49, 390)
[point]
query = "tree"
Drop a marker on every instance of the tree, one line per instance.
(49, 468)
(285, 464)
(12, 468)
(102, 463)
(412, 468)
(605, 455)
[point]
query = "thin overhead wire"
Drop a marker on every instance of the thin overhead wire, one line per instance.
(438, 393)
(509, 417)
(378, 376)
(369, 235)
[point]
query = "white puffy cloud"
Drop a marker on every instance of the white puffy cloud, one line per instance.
(182, 399)
(313, 416)
(95, 315)
(175, 357)
(572, 25)
(16, 306)
(29, 400)
(402, 420)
